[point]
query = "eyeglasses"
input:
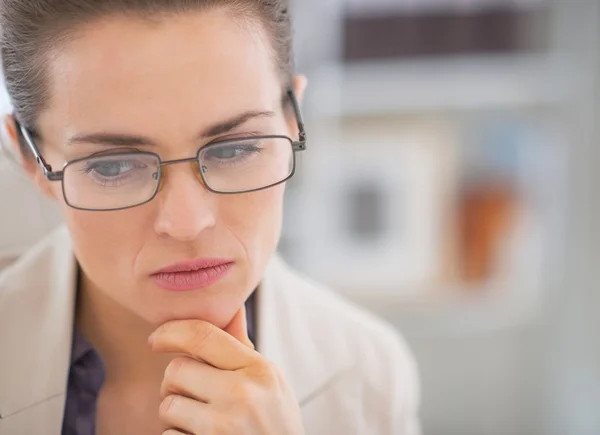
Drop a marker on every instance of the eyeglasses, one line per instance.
(125, 179)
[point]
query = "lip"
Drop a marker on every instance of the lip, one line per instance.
(191, 275)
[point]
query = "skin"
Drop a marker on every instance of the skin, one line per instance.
(167, 80)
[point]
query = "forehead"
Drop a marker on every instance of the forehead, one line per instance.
(176, 71)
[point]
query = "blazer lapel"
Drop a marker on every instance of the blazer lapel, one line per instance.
(44, 418)
(37, 300)
(290, 334)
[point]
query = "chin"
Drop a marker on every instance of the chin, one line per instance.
(215, 304)
(220, 315)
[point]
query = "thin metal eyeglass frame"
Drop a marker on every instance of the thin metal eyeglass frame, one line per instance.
(299, 145)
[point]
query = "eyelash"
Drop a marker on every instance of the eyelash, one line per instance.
(237, 160)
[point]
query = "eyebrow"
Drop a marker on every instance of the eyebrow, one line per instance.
(125, 140)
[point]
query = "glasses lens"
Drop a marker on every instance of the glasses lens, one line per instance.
(111, 181)
(247, 164)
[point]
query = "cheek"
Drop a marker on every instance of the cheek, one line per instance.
(51, 189)
(255, 220)
(106, 243)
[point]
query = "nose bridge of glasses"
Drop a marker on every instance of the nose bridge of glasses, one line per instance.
(174, 162)
(162, 169)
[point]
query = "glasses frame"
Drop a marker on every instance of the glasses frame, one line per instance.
(299, 145)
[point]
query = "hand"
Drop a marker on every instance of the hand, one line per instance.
(222, 385)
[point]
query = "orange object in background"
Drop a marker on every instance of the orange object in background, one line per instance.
(485, 215)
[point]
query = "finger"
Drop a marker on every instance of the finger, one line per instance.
(174, 432)
(187, 415)
(204, 342)
(187, 377)
(238, 327)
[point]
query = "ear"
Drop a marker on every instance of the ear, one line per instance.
(27, 160)
(299, 83)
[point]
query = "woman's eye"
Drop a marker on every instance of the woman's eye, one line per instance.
(226, 152)
(229, 152)
(110, 169)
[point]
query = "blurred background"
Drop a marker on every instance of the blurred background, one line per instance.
(449, 186)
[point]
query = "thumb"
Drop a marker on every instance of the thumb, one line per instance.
(238, 327)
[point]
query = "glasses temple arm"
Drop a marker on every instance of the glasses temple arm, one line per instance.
(299, 118)
(46, 168)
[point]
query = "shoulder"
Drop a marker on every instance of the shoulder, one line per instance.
(49, 263)
(337, 317)
(379, 353)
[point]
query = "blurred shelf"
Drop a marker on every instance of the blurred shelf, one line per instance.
(456, 311)
(441, 84)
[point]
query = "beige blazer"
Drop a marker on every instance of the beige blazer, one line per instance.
(351, 373)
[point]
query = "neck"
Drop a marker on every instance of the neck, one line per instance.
(119, 336)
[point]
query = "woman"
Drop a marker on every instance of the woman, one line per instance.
(161, 306)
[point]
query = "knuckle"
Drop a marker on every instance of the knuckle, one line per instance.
(167, 406)
(174, 368)
(166, 328)
(267, 374)
(244, 393)
(200, 334)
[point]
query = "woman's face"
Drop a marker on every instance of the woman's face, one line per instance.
(168, 81)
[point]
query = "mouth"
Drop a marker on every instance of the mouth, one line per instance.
(192, 275)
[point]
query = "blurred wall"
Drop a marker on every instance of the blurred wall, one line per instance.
(572, 348)
(25, 215)
(514, 353)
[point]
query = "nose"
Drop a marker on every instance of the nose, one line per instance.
(186, 206)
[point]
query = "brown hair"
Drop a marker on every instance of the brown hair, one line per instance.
(32, 28)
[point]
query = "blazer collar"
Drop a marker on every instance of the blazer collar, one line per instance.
(37, 307)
